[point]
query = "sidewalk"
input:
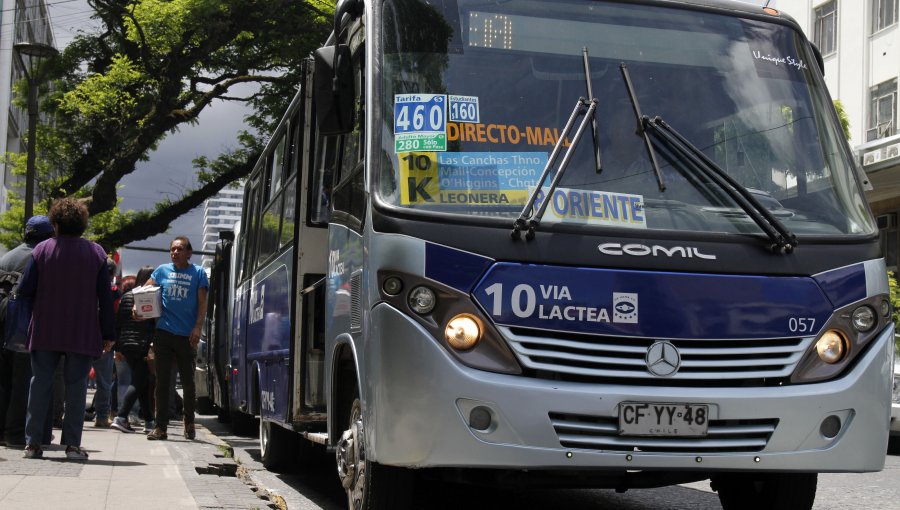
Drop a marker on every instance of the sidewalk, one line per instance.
(126, 471)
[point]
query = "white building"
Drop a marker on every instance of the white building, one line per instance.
(220, 213)
(860, 43)
(20, 21)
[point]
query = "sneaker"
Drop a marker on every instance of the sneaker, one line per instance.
(158, 434)
(76, 453)
(134, 419)
(149, 425)
(189, 431)
(101, 423)
(33, 451)
(122, 425)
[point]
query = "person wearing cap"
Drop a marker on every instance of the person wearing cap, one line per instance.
(15, 367)
(72, 318)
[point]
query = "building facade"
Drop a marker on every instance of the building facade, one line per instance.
(20, 21)
(860, 44)
(220, 213)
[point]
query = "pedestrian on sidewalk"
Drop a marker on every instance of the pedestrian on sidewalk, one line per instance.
(103, 366)
(133, 342)
(15, 367)
(68, 284)
(184, 286)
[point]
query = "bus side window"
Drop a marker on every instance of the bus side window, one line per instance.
(250, 224)
(289, 217)
(276, 167)
(269, 230)
(323, 181)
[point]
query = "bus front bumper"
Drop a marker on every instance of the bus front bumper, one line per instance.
(418, 400)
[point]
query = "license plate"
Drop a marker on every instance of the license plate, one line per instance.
(663, 419)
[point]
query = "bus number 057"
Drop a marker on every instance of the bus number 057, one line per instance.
(801, 324)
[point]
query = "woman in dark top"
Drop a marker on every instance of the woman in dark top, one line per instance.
(68, 284)
(133, 343)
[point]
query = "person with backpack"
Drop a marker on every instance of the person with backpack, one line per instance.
(133, 342)
(15, 367)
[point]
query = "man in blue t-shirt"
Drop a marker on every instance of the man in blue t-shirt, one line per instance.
(184, 286)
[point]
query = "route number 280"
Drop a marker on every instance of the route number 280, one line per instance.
(801, 324)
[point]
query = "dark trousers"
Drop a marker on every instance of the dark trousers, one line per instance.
(169, 349)
(139, 389)
(15, 378)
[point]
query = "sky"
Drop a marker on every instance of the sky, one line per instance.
(168, 171)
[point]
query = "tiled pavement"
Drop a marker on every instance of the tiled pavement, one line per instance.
(127, 471)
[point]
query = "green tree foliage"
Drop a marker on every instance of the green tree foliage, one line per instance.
(153, 66)
(842, 116)
(895, 302)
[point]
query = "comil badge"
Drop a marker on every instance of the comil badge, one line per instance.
(625, 307)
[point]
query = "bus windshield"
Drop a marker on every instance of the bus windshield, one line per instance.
(476, 94)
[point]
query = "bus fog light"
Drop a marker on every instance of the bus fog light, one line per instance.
(463, 332)
(830, 427)
(885, 308)
(831, 347)
(480, 418)
(422, 300)
(392, 285)
(864, 319)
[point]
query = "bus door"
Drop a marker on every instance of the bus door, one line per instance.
(313, 205)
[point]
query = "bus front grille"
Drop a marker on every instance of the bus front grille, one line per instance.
(602, 433)
(613, 359)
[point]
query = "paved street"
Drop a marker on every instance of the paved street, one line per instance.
(316, 487)
(127, 471)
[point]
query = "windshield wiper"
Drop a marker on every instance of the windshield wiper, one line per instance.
(598, 160)
(640, 126)
(783, 240)
(528, 222)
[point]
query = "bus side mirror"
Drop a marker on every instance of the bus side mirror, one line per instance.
(334, 92)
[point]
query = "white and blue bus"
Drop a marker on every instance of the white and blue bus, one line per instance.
(573, 243)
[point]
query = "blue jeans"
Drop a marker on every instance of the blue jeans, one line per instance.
(40, 398)
(123, 381)
(103, 367)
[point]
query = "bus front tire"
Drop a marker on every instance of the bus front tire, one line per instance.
(772, 491)
(369, 485)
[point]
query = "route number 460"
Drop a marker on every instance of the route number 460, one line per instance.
(433, 116)
(801, 324)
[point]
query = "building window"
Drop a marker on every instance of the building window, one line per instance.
(825, 31)
(884, 14)
(882, 111)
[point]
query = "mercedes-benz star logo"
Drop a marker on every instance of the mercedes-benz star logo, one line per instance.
(663, 359)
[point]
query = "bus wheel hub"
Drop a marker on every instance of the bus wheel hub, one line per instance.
(348, 457)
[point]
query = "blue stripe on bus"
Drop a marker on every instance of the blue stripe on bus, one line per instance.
(652, 304)
(454, 268)
(844, 285)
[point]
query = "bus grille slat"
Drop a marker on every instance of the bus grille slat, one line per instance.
(614, 359)
(602, 433)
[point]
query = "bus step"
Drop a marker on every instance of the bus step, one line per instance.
(317, 437)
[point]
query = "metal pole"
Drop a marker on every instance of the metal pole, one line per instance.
(32, 145)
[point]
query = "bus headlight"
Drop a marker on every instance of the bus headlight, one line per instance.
(422, 300)
(463, 332)
(831, 347)
(864, 318)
